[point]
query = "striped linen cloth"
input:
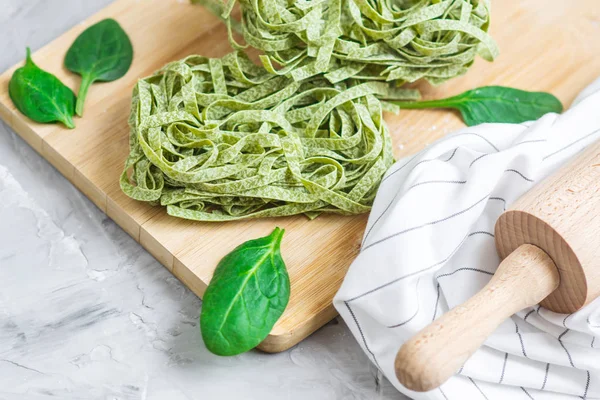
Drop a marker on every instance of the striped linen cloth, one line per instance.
(429, 246)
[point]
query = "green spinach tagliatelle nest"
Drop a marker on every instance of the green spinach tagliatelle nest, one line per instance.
(222, 139)
(391, 40)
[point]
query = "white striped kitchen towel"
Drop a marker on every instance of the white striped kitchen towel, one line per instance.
(429, 246)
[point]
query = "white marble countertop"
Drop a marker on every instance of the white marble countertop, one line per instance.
(86, 313)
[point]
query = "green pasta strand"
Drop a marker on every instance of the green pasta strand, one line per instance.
(387, 40)
(224, 139)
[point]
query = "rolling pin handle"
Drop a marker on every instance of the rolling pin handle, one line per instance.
(433, 355)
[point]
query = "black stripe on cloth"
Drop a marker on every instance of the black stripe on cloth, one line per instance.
(527, 393)
(524, 142)
(437, 302)
(478, 388)
(399, 169)
(532, 141)
(465, 269)
(404, 276)
(478, 135)
(520, 339)
(528, 314)
(443, 394)
(451, 155)
(416, 272)
(398, 193)
(592, 326)
(438, 291)
(456, 214)
(546, 376)
(571, 144)
(481, 233)
(590, 323)
(438, 288)
(503, 368)
(587, 386)
(435, 181)
(406, 321)
(520, 174)
(495, 148)
(362, 335)
(423, 183)
(565, 320)
(501, 199)
(420, 162)
(416, 311)
(346, 302)
(396, 196)
(424, 269)
(479, 158)
(563, 346)
(406, 191)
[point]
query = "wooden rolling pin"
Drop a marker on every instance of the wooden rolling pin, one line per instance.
(549, 241)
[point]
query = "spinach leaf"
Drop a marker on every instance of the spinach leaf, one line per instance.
(103, 52)
(246, 296)
(494, 104)
(40, 95)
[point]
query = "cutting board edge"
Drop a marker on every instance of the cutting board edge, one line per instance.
(276, 343)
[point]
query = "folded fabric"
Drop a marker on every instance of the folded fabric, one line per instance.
(429, 246)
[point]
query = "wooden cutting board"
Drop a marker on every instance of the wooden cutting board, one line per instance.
(550, 45)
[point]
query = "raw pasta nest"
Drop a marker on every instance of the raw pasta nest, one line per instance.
(390, 40)
(222, 139)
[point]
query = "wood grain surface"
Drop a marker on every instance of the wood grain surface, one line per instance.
(559, 216)
(546, 45)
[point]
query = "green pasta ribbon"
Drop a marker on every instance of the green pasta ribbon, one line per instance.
(224, 139)
(387, 40)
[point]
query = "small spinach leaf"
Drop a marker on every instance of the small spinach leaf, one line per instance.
(103, 52)
(40, 95)
(494, 104)
(246, 296)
